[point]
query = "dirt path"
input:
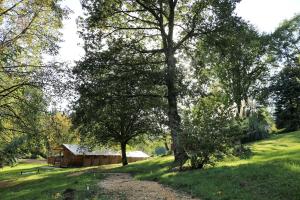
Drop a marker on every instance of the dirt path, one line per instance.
(123, 186)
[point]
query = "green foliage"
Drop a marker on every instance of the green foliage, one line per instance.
(285, 86)
(153, 145)
(118, 102)
(235, 59)
(21, 125)
(157, 31)
(57, 130)
(284, 48)
(209, 130)
(286, 90)
(28, 29)
(258, 125)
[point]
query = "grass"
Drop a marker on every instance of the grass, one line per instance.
(49, 183)
(272, 172)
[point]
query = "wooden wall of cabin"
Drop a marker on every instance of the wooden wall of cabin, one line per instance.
(106, 160)
(101, 160)
(70, 159)
(134, 159)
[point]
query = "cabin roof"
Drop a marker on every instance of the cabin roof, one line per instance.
(137, 154)
(82, 150)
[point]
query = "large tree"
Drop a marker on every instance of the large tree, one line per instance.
(164, 28)
(285, 47)
(285, 53)
(28, 29)
(110, 108)
(235, 59)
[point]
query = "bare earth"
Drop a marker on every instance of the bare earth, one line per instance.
(123, 186)
(4, 184)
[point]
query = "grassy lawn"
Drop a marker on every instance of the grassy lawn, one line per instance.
(272, 172)
(49, 183)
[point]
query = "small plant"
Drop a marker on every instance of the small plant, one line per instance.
(210, 130)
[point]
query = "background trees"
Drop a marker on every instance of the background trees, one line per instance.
(28, 30)
(285, 53)
(236, 59)
(286, 88)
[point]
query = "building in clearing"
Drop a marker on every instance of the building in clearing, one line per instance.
(72, 155)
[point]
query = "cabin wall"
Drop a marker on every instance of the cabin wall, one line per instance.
(101, 160)
(69, 159)
(134, 159)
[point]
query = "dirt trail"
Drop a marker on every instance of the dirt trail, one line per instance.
(123, 186)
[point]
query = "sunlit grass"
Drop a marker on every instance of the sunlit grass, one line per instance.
(271, 172)
(47, 183)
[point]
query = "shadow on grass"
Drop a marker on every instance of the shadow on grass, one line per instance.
(52, 185)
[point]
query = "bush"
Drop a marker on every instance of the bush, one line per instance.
(258, 126)
(210, 130)
(160, 151)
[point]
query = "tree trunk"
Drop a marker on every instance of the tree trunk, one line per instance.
(174, 118)
(166, 146)
(124, 157)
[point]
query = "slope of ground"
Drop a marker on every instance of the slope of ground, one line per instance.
(33, 181)
(272, 172)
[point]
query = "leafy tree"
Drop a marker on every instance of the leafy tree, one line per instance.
(285, 48)
(20, 127)
(285, 53)
(236, 59)
(110, 108)
(28, 28)
(57, 130)
(159, 29)
(210, 130)
(286, 90)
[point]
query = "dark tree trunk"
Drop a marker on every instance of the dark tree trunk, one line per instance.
(166, 146)
(124, 157)
(174, 118)
(238, 104)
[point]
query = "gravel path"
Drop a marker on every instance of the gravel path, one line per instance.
(123, 186)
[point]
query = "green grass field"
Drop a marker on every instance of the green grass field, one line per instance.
(272, 172)
(49, 183)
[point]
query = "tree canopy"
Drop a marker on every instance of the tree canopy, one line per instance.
(28, 29)
(118, 99)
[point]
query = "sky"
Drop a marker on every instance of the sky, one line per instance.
(265, 15)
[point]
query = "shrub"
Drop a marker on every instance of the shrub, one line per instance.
(160, 151)
(259, 125)
(210, 130)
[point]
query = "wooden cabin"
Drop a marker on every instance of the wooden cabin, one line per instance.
(72, 155)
